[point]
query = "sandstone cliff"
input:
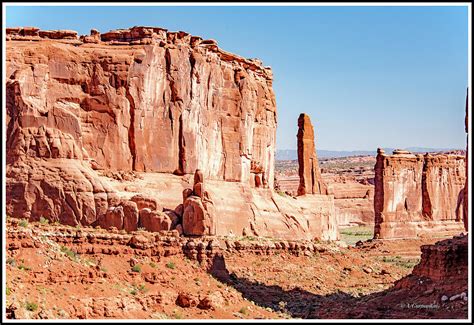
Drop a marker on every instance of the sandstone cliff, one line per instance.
(138, 101)
(175, 105)
(418, 195)
(442, 271)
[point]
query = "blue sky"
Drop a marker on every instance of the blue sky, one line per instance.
(368, 76)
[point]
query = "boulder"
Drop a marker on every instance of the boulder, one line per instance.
(196, 220)
(112, 218)
(130, 216)
(186, 300)
(154, 221)
(144, 201)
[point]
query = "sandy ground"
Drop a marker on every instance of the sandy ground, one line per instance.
(45, 279)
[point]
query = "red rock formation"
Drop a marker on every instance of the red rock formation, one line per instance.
(23, 31)
(418, 195)
(447, 260)
(443, 181)
(171, 106)
(165, 107)
(443, 269)
(144, 201)
(353, 201)
(58, 34)
(145, 100)
(198, 209)
(310, 175)
(154, 220)
(94, 37)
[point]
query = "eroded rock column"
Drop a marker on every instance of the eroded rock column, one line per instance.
(198, 215)
(309, 172)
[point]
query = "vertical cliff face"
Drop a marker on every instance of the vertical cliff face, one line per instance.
(310, 175)
(175, 105)
(443, 180)
(398, 192)
(418, 195)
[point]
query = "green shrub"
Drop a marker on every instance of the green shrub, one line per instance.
(142, 288)
(171, 265)
(69, 253)
(138, 289)
(137, 268)
(24, 267)
(8, 291)
(23, 223)
(44, 221)
(243, 310)
(31, 306)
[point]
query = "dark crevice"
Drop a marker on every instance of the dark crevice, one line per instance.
(192, 63)
(181, 146)
(168, 62)
(174, 94)
(238, 85)
(131, 129)
(223, 149)
(427, 210)
(170, 116)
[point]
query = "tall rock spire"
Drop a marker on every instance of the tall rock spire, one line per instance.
(310, 176)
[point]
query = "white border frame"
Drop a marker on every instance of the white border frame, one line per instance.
(266, 4)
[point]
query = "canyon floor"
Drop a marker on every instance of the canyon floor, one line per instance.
(62, 272)
(56, 271)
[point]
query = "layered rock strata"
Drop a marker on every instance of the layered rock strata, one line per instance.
(443, 268)
(353, 201)
(310, 175)
(447, 260)
(143, 243)
(143, 101)
(418, 195)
